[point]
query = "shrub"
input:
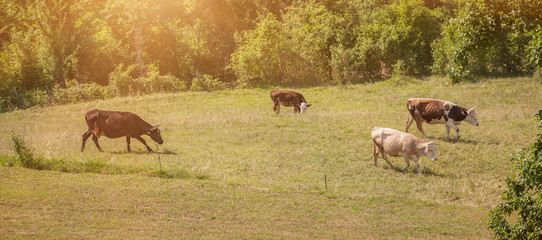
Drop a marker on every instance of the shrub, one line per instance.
(206, 83)
(152, 82)
(121, 80)
(83, 92)
(24, 153)
(522, 197)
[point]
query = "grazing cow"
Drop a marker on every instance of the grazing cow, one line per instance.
(438, 111)
(397, 143)
(288, 98)
(115, 124)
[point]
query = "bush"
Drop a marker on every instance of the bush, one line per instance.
(206, 83)
(82, 93)
(522, 197)
(152, 82)
(121, 80)
(25, 154)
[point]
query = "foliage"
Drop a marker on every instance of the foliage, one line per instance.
(522, 197)
(47, 44)
(150, 82)
(25, 154)
(206, 83)
(489, 37)
(82, 92)
(313, 44)
(534, 50)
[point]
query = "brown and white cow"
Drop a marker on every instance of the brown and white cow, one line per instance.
(113, 124)
(288, 98)
(438, 111)
(397, 143)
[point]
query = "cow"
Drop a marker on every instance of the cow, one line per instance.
(434, 111)
(288, 98)
(114, 124)
(397, 143)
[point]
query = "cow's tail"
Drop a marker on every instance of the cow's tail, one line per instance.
(92, 122)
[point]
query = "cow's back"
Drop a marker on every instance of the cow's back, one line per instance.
(116, 124)
(286, 97)
(394, 142)
(426, 108)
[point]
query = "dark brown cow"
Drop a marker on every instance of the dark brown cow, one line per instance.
(288, 98)
(115, 124)
(438, 111)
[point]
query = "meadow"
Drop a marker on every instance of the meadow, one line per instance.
(238, 170)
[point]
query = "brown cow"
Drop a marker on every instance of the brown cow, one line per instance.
(438, 111)
(115, 124)
(288, 98)
(397, 143)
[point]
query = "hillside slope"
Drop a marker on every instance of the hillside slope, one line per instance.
(253, 174)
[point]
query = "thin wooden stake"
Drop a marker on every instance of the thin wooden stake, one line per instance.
(159, 161)
(325, 179)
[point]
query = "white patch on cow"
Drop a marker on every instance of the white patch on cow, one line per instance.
(471, 117)
(303, 107)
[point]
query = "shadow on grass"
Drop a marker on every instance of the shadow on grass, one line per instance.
(430, 172)
(455, 140)
(163, 152)
(412, 170)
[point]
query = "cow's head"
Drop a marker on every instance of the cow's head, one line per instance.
(431, 150)
(471, 117)
(304, 107)
(154, 133)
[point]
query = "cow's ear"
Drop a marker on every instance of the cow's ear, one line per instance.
(472, 109)
(308, 105)
(427, 148)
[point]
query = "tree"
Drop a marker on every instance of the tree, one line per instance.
(522, 197)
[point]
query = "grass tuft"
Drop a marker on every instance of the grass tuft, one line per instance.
(26, 158)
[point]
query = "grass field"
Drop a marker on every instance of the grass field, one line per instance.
(245, 172)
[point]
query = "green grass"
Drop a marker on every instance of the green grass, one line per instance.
(231, 168)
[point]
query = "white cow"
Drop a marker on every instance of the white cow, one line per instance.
(397, 143)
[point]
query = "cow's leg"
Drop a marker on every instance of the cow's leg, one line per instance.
(449, 125)
(386, 158)
(419, 125)
(86, 135)
(407, 162)
(95, 139)
(297, 109)
(447, 132)
(276, 107)
(409, 122)
(417, 166)
(144, 143)
(375, 153)
(128, 143)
